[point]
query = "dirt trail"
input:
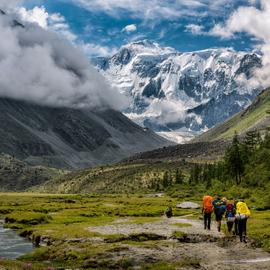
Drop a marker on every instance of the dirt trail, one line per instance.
(221, 253)
(164, 227)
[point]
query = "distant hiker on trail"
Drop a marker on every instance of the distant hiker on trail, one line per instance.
(169, 212)
(207, 211)
(230, 216)
(219, 209)
(242, 215)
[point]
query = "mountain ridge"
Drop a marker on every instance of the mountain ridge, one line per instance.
(181, 92)
(69, 138)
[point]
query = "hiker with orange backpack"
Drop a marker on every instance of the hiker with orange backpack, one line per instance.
(207, 211)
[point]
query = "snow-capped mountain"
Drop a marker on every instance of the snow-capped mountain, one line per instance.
(185, 93)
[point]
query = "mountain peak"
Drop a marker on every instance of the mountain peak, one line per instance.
(147, 47)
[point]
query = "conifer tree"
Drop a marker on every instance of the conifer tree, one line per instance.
(178, 177)
(165, 180)
(234, 160)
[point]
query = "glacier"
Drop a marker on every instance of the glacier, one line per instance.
(180, 95)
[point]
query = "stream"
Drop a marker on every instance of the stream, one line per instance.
(12, 246)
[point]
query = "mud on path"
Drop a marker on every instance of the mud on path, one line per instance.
(196, 248)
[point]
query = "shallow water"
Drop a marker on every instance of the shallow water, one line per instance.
(12, 246)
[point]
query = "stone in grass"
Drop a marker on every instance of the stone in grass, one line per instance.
(188, 205)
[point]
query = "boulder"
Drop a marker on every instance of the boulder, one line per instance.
(188, 205)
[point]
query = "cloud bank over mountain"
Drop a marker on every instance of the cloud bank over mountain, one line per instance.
(40, 66)
(254, 21)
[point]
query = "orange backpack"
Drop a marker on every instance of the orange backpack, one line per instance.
(207, 204)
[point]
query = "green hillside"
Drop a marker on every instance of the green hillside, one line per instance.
(255, 117)
(16, 175)
(119, 178)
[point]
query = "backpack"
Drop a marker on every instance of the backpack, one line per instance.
(242, 209)
(230, 213)
(220, 207)
(207, 204)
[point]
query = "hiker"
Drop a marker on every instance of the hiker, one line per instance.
(169, 212)
(219, 210)
(235, 232)
(207, 211)
(230, 216)
(242, 214)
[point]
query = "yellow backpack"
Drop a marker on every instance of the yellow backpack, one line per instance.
(242, 209)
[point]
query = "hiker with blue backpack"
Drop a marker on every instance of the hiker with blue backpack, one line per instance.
(219, 210)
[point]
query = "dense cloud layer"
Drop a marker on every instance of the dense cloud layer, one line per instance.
(40, 66)
(10, 4)
(255, 22)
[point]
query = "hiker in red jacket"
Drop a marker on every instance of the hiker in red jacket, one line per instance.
(230, 216)
(207, 211)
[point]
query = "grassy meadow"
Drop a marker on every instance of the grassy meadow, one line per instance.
(64, 223)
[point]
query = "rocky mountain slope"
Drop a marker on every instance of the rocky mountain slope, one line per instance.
(70, 138)
(186, 93)
(255, 118)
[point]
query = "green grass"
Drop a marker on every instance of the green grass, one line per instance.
(182, 225)
(259, 228)
(67, 219)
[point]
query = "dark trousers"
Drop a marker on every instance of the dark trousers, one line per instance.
(207, 221)
(236, 231)
(242, 227)
(230, 226)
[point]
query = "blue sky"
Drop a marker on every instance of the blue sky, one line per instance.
(105, 25)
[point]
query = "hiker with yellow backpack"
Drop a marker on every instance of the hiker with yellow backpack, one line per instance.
(207, 211)
(242, 215)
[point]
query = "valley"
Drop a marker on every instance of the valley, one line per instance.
(110, 138)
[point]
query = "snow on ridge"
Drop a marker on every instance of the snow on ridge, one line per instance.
(170, 90)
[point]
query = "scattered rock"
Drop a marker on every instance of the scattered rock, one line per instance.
(155, 195)
(139, 237)
(196, 238)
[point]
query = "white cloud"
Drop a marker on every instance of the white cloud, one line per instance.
(130, 28)
(49, 70)
(10, 4)
(155, 9)
(255, 22)
(97, 50)
(36, 15)
(54, 21)
(220, 31)
(195, 29)
(57, 23)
